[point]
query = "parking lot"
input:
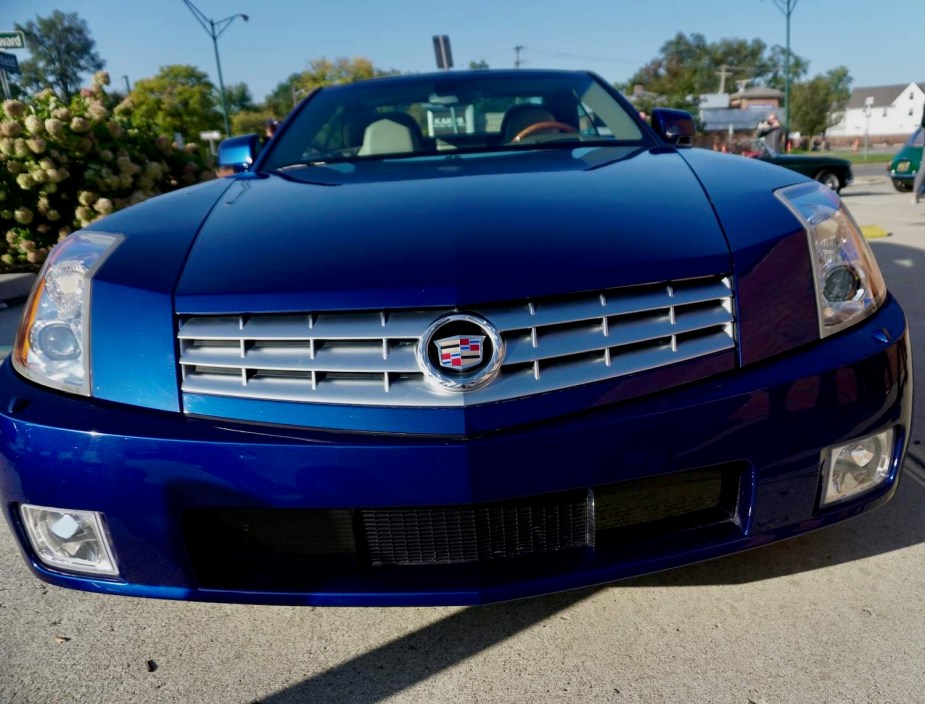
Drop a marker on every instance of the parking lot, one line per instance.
(836, 616)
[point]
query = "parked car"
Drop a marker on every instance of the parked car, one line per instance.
(904, 165)
(829, 170)
(450, 339)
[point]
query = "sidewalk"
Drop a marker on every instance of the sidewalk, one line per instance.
(13, 291)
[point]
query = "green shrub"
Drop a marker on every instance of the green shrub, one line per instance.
(64, 166)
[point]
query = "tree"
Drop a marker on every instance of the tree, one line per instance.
(281, 100)
(775, 78)
(478, 65)
(818, 102)
(689, 66)
(247, 121)
(179, 99)
(62, 51)
(321, 72)
(239, 98)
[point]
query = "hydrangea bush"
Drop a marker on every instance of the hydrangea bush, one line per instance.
(64, 166)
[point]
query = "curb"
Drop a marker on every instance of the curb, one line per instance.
(15, 286)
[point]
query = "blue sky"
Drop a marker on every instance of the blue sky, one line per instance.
(880, 42)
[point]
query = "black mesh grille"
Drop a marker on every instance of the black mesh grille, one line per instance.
(473, 534)
(402, 548)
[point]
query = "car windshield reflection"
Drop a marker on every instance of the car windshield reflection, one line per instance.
(437, 116)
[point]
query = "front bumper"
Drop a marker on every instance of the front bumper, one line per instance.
(896, 175)
(760, 428)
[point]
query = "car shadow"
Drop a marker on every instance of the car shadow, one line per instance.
(852, 193)
(395, 666)
(380, 673)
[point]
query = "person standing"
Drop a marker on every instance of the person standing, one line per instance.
(920, 174)
(771, 133)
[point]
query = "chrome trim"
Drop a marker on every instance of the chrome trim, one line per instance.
(374, 358)
(460, 382)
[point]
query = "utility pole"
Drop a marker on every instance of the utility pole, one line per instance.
(215, 29)
(723, 74)
(787, 7)
(517, 60)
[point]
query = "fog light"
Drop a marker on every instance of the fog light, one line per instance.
(857, 467)
(69, 540)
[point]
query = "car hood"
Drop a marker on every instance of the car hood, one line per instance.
(452, 232)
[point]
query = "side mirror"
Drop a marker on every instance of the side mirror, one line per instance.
(236, 154)
(674, 126)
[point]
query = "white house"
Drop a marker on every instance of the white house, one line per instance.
(894, 113)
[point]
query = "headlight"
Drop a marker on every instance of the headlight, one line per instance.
(52, 345)
(849, 285)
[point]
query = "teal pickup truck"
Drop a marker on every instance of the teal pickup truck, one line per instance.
(905, 164)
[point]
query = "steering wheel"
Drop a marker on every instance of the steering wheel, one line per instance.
(540, 126)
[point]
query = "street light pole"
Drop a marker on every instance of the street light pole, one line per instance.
(215, 28)
(787, 7)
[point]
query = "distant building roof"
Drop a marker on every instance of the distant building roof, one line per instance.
(714, 100)
(882, 95)
(757, 93)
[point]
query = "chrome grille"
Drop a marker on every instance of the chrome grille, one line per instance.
(369, 358)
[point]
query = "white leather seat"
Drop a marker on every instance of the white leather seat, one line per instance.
(386, 136)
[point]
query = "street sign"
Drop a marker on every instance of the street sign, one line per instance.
(442, 51)
(12, 40)
(213, 134)
(8, 62)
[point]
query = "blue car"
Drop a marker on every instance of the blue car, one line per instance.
(450, 339)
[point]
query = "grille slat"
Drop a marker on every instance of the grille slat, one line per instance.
(326, 326)
(560, 343)
(369, 358)
(616, 302)
(366, 359)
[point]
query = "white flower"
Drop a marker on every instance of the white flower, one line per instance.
(79, 124)
(8, 128)
(14, 108)
(34, 125)
(54, 127)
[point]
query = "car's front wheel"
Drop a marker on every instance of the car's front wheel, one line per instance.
(901, 186)
(829, 179)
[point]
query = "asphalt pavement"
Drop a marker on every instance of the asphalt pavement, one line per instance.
(836, 616)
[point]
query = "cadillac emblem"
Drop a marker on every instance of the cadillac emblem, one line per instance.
(460, 352)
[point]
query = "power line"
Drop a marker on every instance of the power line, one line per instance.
(589, 57)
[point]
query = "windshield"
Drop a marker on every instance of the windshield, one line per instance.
(444, 115)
